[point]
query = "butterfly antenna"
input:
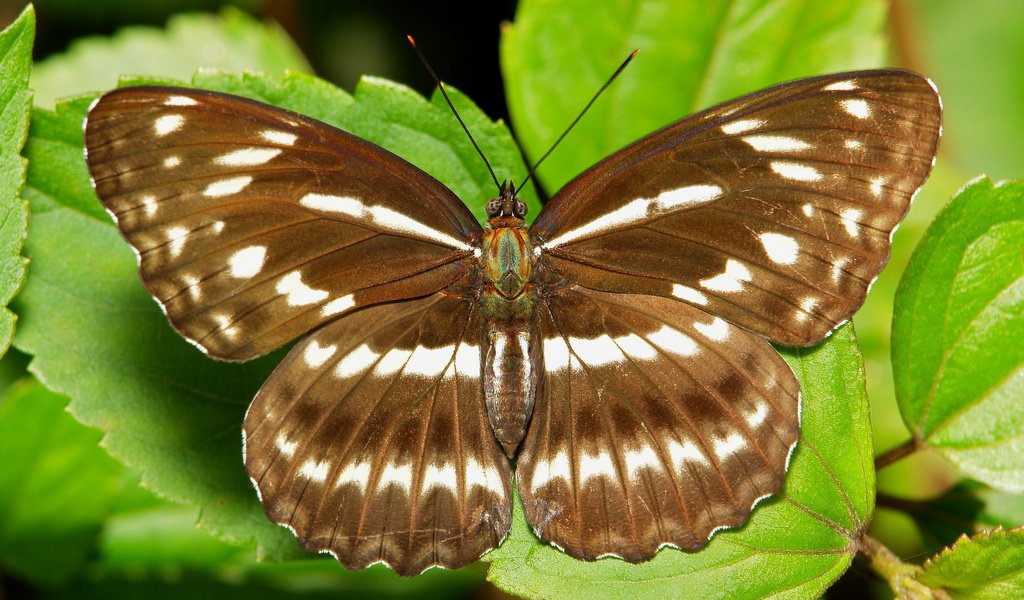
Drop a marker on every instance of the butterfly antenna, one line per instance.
(533, 169)
(440, 86)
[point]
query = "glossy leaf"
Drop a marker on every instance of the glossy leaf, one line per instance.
(15, 111)
(232, 41)
(959, 319)
(57, 486)
(796, 544)
(987, 565)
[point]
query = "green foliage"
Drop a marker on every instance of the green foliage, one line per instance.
(959, 320)
(794, 545)
(15, 111)
(57, 486)
(989, 565)
(233, 41)
(692, 55)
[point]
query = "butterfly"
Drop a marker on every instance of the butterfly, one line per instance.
(616, 350)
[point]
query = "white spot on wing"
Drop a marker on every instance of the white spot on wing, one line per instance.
(392, 362)
(298, 293)
(356, 361)
(806, 308)
(485, 477)
(755, 418)
(808, 209)
(226, 187)
(467, 361)
(357, 473)
(399, 475)
(851, 221)
(717, 330)
(315, 470)
(781, 249)
(741, 126)
(730, 280)
(556, 354)
(733, 443)
(857, 107)
(684, 453)
(279, 137)
(316, 355)
(338, 305)
(838, 266)
(795, 171)
(440, 476)
(853, 144)
(676, 342)
(429, 362)
(548, 470)
(247, 157)
(689, 294)
(176, 236)
(381, 216)
(876, 185)
(149, 205)
(639, 210)
(846, 85)
(171, 161)
(599, 465)
(595, 352)
(286, 447)
(167, 124)
(247, 262)
(636, 347)
(180, 101)
(775, 143)
(691, 194)
(644, 458)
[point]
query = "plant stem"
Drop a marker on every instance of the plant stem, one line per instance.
(901, 576)
(894, 454)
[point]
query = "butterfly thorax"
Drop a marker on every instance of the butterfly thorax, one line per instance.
(507, 299)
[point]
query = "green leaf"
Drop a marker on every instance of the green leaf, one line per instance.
(984, 136)
(232, 41)
(795, 545)
(966, 507)
(959, 320)
(15, 111)
(56, 486)
(97, 336)
(692, 55)
(987, 565)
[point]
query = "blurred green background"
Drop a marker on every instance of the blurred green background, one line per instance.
(974, 52)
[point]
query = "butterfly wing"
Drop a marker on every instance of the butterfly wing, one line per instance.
(371, 440)
(773, 211)
(254, 224)
(656, 428)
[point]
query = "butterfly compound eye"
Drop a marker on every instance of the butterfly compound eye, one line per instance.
(520, 209)
(493, 207)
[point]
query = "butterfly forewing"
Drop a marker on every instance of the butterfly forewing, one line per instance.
(371, 440)
(658, 424)
(773, 211)
(254, 224)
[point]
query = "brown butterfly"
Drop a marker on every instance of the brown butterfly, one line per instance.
(617, 349)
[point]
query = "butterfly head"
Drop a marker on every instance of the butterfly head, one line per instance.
(506, 204)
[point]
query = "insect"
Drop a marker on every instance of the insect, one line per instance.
(617, 349)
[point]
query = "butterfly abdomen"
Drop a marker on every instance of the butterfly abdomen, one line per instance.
(510, 350)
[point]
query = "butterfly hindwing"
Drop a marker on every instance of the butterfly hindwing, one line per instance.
(371, 441)
(773, 211)
(254, 224)
(658, 424)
